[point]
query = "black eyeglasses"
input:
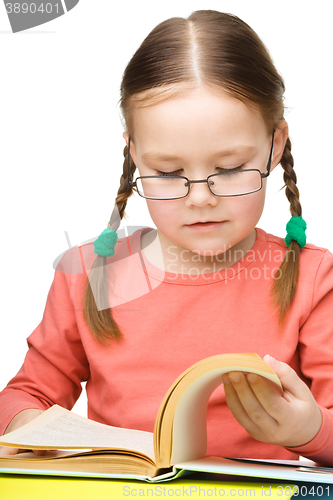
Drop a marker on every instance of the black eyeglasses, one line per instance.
(172, 187)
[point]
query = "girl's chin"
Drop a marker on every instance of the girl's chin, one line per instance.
(208, 251)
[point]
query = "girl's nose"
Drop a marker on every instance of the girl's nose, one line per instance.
(200, 195)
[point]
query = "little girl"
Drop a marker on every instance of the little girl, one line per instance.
(203, 108)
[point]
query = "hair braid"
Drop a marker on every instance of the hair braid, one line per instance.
(286, 277)
(101, 323)
(124, 192)
(290, 179)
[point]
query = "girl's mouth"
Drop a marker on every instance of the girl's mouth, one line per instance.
(206, 226)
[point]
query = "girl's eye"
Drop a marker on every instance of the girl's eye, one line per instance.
(220, 169)
(230, 170)
(175, 172)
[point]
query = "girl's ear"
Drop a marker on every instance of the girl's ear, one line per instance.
(132, 146)
(280, 139)
(133, 150)
(126, 136)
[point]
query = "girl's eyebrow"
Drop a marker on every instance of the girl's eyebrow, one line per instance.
(225, 153)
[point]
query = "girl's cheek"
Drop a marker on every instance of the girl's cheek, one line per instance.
(160, 209)
(248, 206)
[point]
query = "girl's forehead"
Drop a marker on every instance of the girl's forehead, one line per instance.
(200, 112)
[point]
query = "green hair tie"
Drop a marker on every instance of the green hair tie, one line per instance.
(105, 243)
(296, 231)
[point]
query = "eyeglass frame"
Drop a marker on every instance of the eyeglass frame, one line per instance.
(196, 181)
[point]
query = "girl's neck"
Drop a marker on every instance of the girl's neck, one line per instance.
(155, 247)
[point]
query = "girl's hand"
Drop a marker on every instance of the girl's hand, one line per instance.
(290, 419)
(20, 419)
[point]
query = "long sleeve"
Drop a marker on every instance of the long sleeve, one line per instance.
(320, 449)
(55, 364)
(316, 361)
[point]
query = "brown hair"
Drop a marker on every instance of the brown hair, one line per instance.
(222, 52)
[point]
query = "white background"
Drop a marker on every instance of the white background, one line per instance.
(61, 135)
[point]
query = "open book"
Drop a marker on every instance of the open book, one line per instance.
(84, 447)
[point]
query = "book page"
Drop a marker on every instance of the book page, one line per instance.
(58, 428)
(190, 425)
(189, 440)
(271, 470)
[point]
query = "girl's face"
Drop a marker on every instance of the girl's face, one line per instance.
(196, 135)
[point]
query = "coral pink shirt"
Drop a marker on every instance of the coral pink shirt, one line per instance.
(170, 321)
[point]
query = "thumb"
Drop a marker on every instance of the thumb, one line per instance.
(288, 377)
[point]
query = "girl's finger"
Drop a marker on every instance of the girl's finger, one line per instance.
(39, 453)
(274, 404)
(234, 403)
(5, 451)
(255, 411)
(236, 406)
(289, 378)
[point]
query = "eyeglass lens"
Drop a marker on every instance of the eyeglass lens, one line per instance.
(223, 184)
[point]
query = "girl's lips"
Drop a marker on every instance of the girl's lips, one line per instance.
(206, 227)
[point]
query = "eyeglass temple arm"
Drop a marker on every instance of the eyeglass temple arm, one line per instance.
(270, 158)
